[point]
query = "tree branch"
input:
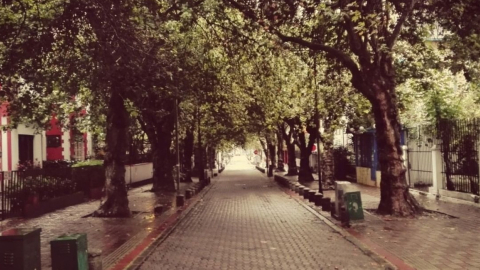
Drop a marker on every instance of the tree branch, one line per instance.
(398, 27)
(346, 60)
(355, 41)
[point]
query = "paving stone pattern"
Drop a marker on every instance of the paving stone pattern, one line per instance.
(114, 236)
(247, 222)
(429, 242)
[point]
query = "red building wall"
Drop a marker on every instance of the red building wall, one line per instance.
(54, 153)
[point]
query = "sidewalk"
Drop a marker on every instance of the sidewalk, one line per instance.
(430, 241)
(246, 222)
(114, 236)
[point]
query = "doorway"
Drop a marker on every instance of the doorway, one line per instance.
(25, 149)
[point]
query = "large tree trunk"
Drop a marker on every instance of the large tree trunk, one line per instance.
(187, 155)
(211, 158)
(287, 136)
(328, 164)
(280, 164)
(159, 132)
(292, 160)
(162, 163)
(116, 199)
(395, 196)
(200, 153)
(265, 152)
(198, 165)
(328, 169)
(271, 151)
(305, 172)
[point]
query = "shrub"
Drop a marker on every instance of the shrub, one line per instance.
(86, 163)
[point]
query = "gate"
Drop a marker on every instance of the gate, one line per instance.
(419, 143)
(344, 157)
(459, 141)
(11, 195)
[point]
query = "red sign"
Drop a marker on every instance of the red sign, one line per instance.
(255, 152)
(314, 148)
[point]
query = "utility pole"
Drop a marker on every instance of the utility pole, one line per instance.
(317, 124)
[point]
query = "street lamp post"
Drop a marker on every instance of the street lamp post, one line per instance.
(177, 165)
(317, 123)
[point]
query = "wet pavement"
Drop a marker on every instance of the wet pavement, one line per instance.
(246, 221)
(431, 241)
(114, 236)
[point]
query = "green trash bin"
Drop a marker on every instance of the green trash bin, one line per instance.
(69, 252)
(20, 249)
(353, 201)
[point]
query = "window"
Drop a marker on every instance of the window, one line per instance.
(54, 141)
(25, 148)
(79, 151)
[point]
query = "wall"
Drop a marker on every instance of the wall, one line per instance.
(138, 172)
(57, 152)
(66, 145)
(379, 179)
(5, 145)
(44, 145)
(89, 151)
(364, 176)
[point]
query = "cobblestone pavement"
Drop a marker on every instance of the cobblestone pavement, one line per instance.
(114, 236)
(246, 222)
(432, 241)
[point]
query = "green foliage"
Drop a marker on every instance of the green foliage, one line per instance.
(435, 92)
(88, 163)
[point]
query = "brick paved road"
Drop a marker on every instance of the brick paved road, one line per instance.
(114, 236)
(247, 222)
(430, 242)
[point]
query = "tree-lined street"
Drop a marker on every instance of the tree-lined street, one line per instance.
(246, 222)
(97, 96)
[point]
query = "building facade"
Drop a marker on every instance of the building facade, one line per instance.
(27, 144)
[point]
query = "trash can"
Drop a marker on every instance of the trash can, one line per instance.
(69, 252)
(20, 249)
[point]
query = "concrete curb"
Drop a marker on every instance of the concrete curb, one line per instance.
(443, 198)
(262, 170)
(366, 250)
(148, 249)
(345, 234)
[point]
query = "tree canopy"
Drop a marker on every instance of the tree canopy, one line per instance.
(229, 70)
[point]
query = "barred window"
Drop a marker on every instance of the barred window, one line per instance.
(54, 141)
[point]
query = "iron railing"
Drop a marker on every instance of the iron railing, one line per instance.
(19, 188)
(459, 144)
(364, 149)
(344, 164)
(10, 189)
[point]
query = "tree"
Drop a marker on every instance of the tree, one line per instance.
(458, 25)
(67, 56)
(348, 30)
(74, 49)
(339, 107)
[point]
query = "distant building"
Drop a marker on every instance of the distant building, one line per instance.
(26, 144)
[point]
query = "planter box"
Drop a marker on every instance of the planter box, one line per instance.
(35, 210)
